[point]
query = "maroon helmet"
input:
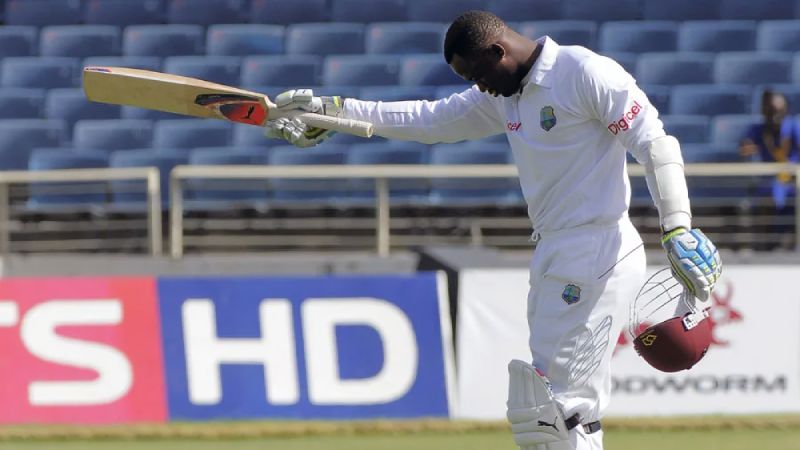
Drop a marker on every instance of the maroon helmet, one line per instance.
(682, 334)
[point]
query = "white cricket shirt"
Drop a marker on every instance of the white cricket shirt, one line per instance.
(568, 129)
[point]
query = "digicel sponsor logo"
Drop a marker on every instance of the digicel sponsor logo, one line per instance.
(624, 122)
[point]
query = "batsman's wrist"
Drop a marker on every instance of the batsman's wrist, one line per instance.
(332, 106)
(672, 233)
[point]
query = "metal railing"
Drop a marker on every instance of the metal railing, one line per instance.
(383, 173)
(149, 174)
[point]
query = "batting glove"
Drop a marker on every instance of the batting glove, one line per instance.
(295, 132)
(694, 259)
(304, 100)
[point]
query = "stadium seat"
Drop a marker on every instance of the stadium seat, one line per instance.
(32, 72)
(710, 153)
(17, 41)
(673, 68)
(638, 37)
(191, 133)
(361, 70)
(730, 128)
(68, 194)
(250, 136)
(325, 39)
(351, 139)
(163, 40)
(427, 70)
(519, 10)
(717, 36)
(217, 69)
(110, 134)
(136, 62)
(385, 153)
(404, 38)
(602, 10)
(243, 40)
(80, 41)
(778, 35)
(281, 70)
(205, 12)
(564, 32)
(18, 137)
(366, 11)
(133, 192)
(756, 10)
(397, 93)
(123, 12)
(444, 11)
(43, 12)
(710, 99)
(284, 12)
(211, 193)
(71, 105)
(132, 112)
(790, 91)
(752, 68)
(681, 10)
(21, 103)
(307, 189)
(658, 95)
(688, 129)
(447, 191)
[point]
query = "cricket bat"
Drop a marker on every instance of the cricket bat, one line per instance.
(192, 97)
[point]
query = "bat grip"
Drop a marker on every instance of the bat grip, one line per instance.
(350, 126)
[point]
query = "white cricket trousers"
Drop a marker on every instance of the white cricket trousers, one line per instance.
(583, 281)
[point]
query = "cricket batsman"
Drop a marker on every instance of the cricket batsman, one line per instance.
(569, 115)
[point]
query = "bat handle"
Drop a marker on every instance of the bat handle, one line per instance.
(350, 126)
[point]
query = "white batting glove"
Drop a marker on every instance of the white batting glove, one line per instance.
(304, 100)
(694, 259)
(295, 132)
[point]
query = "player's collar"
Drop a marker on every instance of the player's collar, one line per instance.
(541, 70)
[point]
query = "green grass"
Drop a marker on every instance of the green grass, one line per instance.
(492, 440)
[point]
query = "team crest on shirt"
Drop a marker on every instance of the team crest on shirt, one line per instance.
(547, 118)
(571, 294)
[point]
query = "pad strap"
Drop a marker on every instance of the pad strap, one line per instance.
(589, 428)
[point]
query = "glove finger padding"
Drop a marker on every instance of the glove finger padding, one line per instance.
(296, 132)
(694, 259)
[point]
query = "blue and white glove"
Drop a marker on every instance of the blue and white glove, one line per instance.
(694, 259)
(294, 130)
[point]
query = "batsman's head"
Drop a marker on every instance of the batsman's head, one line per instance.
(481, 49)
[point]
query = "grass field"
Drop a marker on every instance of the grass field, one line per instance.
(496, 440)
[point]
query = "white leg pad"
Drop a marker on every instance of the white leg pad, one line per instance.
(536, 419)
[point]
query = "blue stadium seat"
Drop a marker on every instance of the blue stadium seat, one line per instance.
(21, 103)
(133, 192)
(250, 136)
(18, 137)
(51, 72)
(135, 62)
(752, 68)
(625, 59)
(80, 41)
(191, 133)
(450, 89)
(163, 40)
(207, 193)
(281, 70)
(325, 39)
(361, 70)
(43, 12)
(796, 70)
(681, 10)
(603, 10)
(427, 70)
(405, 38)
(717, 36)
(205, 12)
(756, 10)
(243, 40)
(365, 11)
(710, 153)
(17, 41)
(315, 190)
(565, 32)
(518, 10)
(72, 195)
(638, 37)
(658, 95)
(385, 153)
(688, 129)
(71, 105)
(398, 93)
(673, 68)
(447, 191)
(790, 91)
(217, 69)
(731, 128)
(132, 112)
(351, 139)
(444, 11)
(710, 99)
(111, 134)
(286, 13)
(123, 12)
(778, 35)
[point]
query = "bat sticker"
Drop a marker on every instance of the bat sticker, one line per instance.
(234, 107)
